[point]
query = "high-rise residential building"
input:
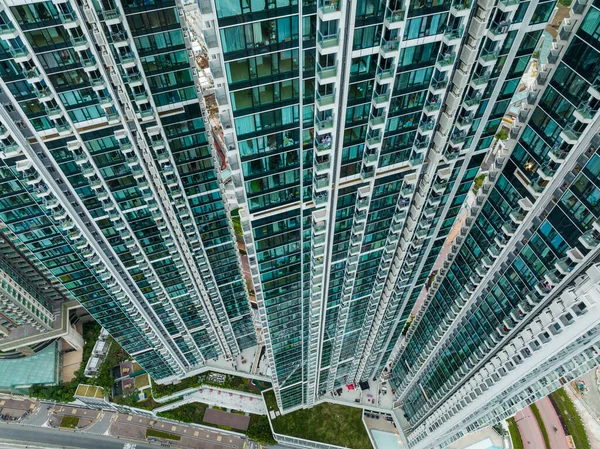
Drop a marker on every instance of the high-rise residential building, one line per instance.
(110, 185)
(354, 131)
(514, 312)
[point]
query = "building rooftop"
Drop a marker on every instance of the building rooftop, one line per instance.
(89, 391)
(38, 369)
(328, 423)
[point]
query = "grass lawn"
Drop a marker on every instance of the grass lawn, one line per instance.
(69, 422)
(328, 423)
(151, 433)
(515, 436)
(193, 413)
(572, 420)
(540, 422)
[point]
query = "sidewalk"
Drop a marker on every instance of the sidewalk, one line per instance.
(123, 426)
(221, 397)
(558, 438)
(592, 427)
(134, 427)
(528, 428)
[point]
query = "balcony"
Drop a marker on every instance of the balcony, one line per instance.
(445, 61)
(416, 160)
(8, 31)
(426, 127)
(488, 57)
(119, 39)
(325, 102)
(385, 76)
(558, 155)
(321, 183)
(590, 239)
(594, 89)
(508, 5)
(321, 167)
(532, 97)
(327, 44)
(570, 135)
(324, 126)
(326, 74)
(439, 187)
(10, 149)
(367, 172)
(432, 107)
(389, 47)
(437, 87)
(394, 18)
(323, 145)
(43, 94)
(480, 80)
(547, 171)
(147, 114)
(458, 138)
(127, 59)
(79, 43)
(421, 144)
(54, 112)
(585, 113)
(377, 121)
(329, 9)
(451, 154)
(88, 64)
(69, 19)
(63, 129)
(498, 29)
(112, 16)
(19, 54)
(453, 36)
(380, 99)
(32, 75)
(373, 140)
(464, 122)
(460, 8)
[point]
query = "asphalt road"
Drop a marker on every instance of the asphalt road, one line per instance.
(59, 439)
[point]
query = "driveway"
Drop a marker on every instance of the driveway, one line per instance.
(528, 428)
(558, 439)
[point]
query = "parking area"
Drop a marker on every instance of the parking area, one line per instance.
(16, 409)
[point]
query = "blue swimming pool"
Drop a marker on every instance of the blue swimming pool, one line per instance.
(386, 440)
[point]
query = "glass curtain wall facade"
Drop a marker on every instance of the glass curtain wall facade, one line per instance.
(110, 181)
(505, 301)
(354, 133)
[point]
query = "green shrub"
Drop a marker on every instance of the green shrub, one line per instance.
(540, 422)
(571, 418)
(515, 436)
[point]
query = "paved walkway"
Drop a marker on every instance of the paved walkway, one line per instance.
(558, 438)
(221, 397)
(528, 428)
(590, 422)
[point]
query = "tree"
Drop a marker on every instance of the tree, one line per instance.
(260, 430)
(502, 134)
